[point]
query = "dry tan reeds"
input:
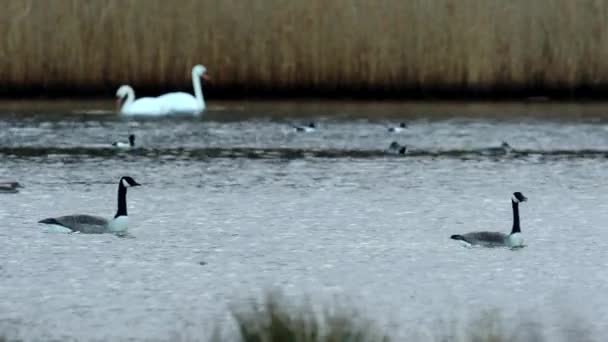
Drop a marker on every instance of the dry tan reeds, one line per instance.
(308, 46)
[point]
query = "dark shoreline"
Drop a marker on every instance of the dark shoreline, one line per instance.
(322, 92)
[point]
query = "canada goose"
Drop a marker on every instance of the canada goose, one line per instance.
(396, 148)
(311, 127)
(130, 144)
(93, 224)
(10, 187)
(402, 126)
(495, 239)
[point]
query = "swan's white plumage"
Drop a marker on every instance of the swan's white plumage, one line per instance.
(181, 103)
(141, 106)
(170, 103)
(185, 103)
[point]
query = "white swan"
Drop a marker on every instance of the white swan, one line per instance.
(185, 103)
(170, 103)
(125, 99)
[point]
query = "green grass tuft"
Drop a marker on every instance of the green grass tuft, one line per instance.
(274, 319)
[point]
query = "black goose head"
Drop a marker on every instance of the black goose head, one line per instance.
(518, 197)
(132, 140)
(127, 181)
(403, 125)
(311, 125)
(394, 145)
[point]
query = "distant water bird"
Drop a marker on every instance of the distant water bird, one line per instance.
(125, 145)
(504, 148)
(88, 224)
(396, 148)
(495, 239)
(10, 187)
(398, 129)
(170, 103)
(311, 127)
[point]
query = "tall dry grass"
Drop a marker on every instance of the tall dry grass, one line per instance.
(339, 46)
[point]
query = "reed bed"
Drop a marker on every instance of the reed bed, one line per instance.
(314, 47)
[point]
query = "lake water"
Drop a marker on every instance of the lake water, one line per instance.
(238, 203)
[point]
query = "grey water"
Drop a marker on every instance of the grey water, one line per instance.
(237, 203)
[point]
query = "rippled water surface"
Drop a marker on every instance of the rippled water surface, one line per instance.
(237, 203)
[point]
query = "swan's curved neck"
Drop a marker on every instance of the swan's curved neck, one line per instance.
(198, 90)
(130, 97)
(122, 200)
(516, 227)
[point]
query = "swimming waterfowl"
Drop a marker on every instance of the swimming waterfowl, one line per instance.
(88, 224)
(311, 127)
(130, 144)
(10, 187)
(496, 239)
(396, 148)
(166, 104)
(504, 148)
(398, 129)
(186, 103)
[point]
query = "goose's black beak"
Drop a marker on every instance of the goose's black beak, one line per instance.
(135, 184)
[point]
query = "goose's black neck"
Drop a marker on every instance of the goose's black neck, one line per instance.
(516, 227)
(122, 200)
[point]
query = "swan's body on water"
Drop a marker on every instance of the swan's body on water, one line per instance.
(89, 224)
(186, 103)
(128, 105)
(166, 104)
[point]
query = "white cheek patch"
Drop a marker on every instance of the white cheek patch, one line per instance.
(124, 183)
(514, 199)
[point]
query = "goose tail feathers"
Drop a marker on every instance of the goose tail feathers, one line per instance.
(457, 237)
